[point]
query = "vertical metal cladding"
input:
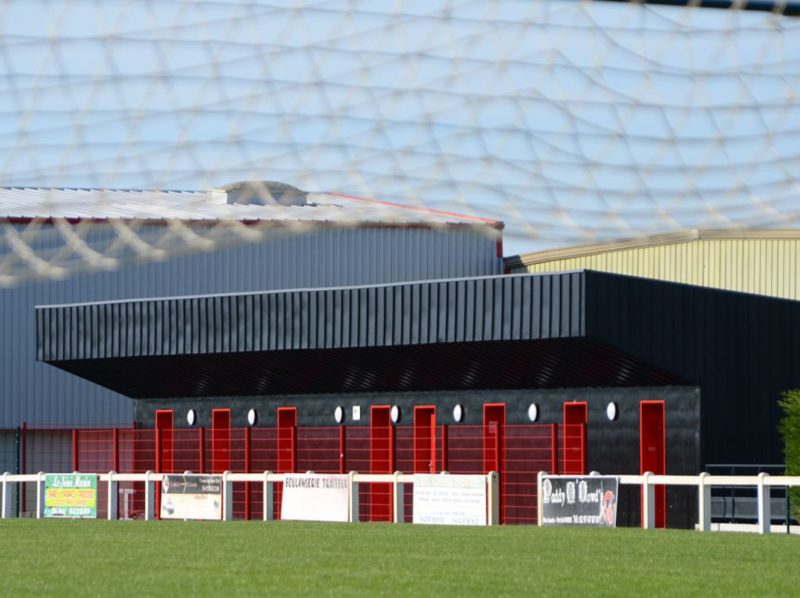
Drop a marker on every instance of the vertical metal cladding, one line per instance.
(500, 308)
(742, 349)
(38, 394)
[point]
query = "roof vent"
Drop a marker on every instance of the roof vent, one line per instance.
(264, 193)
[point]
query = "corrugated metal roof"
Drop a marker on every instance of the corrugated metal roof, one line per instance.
(20, 204)
(457, 310)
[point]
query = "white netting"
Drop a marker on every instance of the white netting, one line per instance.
(570, 121)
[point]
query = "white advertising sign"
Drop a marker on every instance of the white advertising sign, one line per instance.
(315, 497)
(450, 499)
(191, 496)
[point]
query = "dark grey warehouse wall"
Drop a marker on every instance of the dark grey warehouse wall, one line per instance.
(39, 394)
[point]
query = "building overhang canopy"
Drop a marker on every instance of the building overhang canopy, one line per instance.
(526, 331)
(552, 363)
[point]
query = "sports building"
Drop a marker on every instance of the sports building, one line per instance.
(567, 372)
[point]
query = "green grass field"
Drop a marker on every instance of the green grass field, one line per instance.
(195, 558)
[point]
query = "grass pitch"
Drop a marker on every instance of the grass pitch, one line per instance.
(290, 558)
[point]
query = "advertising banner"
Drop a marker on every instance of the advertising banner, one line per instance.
(191, 496)
(450, 499)
(579, 500)
(315, 497)
(70, 495)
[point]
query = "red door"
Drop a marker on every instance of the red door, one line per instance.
(652, 451)
(574, 438)
(424, 439)
(381, 460)
(287, 439)
(220, 440)
(287, 447)
(164, 441)
(164, 461)
(494, 421)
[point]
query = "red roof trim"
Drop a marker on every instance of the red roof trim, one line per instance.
(25, 220)
(499, 225)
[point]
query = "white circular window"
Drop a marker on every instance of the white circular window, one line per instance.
(252, 417)
(458, 413)
(338, 414)
(191, 417)
(612, 411)
(533, 412)
(395, 413)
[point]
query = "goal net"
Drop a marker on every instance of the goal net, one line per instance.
(571, 121)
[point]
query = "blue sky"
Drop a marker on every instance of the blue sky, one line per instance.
(571, 121)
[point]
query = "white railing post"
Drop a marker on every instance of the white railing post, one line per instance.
(149, 496)
(493, 485)
(353, 518)
(648, 502)
(40, 478)
(398, 502)
(703, 503)
(764, 506)
(269, 499)
(227, 497)
(539, 479)
(112, 496)
(5, 506)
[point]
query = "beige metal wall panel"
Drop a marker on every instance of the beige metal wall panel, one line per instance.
(760, 266)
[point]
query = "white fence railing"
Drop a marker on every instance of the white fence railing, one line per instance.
(267, 478)
(648, 482)
(703, 482)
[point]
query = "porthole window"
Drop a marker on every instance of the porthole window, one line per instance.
(252, 417)
(338, 414)
(395, 413)
(191, 417)
(458, 413)
(533, 412)
(612, 411)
